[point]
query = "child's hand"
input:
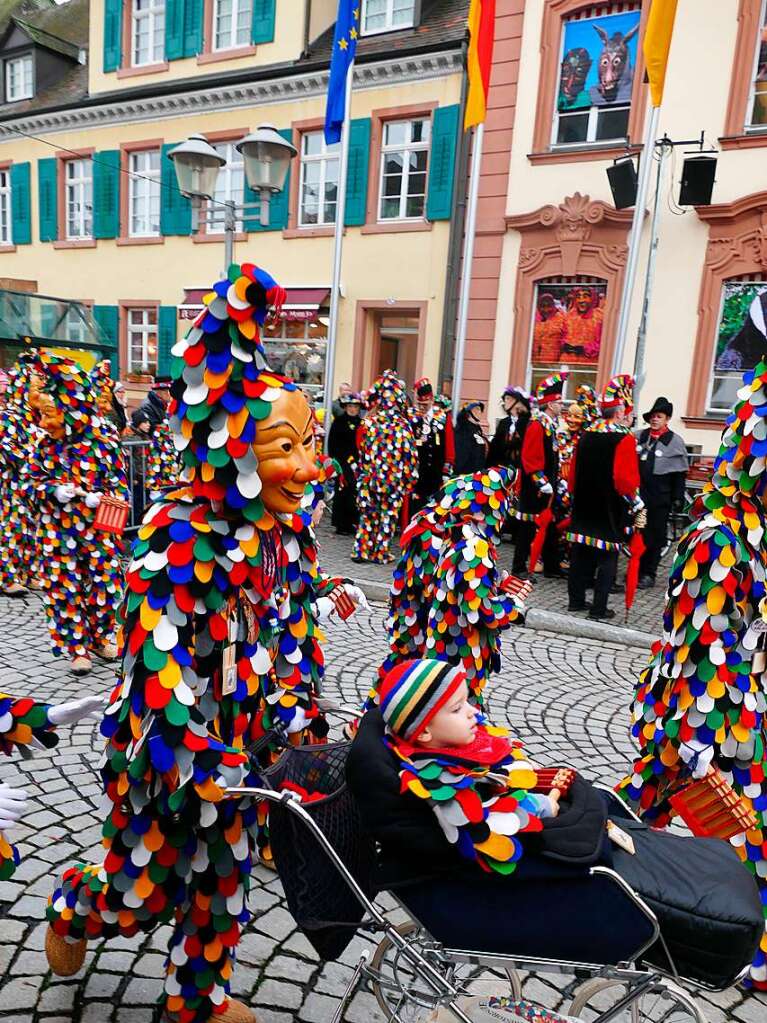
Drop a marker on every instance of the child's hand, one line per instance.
(554, 797)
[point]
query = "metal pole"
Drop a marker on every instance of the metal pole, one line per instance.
(230, 226)
(648, 282)
(468, 257)
(635, 239)
(335, 287)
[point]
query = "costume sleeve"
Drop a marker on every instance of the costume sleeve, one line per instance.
(533, 453)
(626, 468)
(24, 722)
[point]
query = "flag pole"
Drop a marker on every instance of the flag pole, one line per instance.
(468, 258)
(338, 237)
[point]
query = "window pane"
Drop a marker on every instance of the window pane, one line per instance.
(420, 131)
(393, 163)
(396, 133)
(312, 143)
(389, 208)
(414, 206)
(759, 109)
(573, 128)
(612, 124)
(393, 184)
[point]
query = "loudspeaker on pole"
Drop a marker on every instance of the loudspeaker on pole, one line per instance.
(622, 177)
(698, 174)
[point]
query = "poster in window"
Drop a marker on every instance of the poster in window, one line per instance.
(567, 327)
(598, 60)
(741, 338)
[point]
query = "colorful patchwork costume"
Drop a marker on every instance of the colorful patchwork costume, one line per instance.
(387, 468)
(447, 597)
(220, 644)
(80, 565)
(702, 698)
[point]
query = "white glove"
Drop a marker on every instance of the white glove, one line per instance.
(357, 595)
(325, 608)
(698, 756)
(65, 492)
(545, 489)
(75, 710)
(13, 806)
(92, 500)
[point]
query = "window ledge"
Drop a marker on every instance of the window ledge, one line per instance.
(583, 154)
(76, 243)
(704, 422)
(325, 231)
(150, 239)
(748, 140)
(145, 69)
(216, 56)
(203, 237)
(7, 248)
(396, 227)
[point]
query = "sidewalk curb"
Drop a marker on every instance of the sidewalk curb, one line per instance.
(545, 621)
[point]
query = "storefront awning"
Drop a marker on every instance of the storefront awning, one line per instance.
(302, 303)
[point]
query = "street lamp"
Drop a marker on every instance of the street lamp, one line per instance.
(266, 156)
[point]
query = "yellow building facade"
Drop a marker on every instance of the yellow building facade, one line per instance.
(102, 221)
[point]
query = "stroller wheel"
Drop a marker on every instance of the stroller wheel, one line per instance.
(665, 1003)
(403, 994)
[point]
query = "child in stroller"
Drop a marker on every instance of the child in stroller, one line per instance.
(450, 802)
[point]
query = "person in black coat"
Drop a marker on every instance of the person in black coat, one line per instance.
(342, 445)
(506, 444)
(153, 410)
(433, 430)
(663, 465)
(470, 443)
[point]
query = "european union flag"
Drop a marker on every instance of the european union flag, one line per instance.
(344, 48)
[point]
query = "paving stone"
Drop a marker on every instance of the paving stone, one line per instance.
(135, 1015)
(142, 991)
(115, 962)
(277, 923)
(149, 965)
(30, 964)
(102, 985)
(21, 993)
(254, 949)
(58, 998)
(97, 1012)
(290, 969)
(318, 1008)
(28, 907)
(273, 992)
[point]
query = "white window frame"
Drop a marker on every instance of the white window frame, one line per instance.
(225, 192)
(239, 7)
(78, 192)
(154, 15)
(591, 129)
(406, 149)
(27, 91)
(755, 129)
(6, 219)
(146, 327)
(143, 187)
(323, 158)
(388, 25)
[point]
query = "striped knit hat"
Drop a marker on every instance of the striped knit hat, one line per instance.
(413, 691)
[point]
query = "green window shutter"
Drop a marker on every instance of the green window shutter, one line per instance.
(444, 142)
(193, 18)
(175, 210)
(113, 23)
(174, 29)
(107, 318)
(355, 209)
(106, 194)
(21, 212)
(262, 25)
(46, 199)
(278, 207)
(166, 338)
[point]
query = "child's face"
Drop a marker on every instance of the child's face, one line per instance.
(455, 724)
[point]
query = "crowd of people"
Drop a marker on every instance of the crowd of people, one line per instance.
(217, 620)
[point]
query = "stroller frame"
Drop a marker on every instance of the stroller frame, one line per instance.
(434, 964)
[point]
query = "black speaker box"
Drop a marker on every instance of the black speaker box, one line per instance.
(697, 181)
(623, 183)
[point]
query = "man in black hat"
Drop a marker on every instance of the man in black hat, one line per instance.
(663, 466)
(433, 430)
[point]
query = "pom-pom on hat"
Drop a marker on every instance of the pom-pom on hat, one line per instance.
(550, 388)
(223, 387)
(71, 388)
(619, 390)
(412, 692)
(423, 388)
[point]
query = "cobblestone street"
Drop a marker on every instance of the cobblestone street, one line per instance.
(567, 698)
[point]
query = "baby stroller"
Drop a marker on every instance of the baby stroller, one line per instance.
(327, 866)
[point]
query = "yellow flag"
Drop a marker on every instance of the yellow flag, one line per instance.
(657, 43)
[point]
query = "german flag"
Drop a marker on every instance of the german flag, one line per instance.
(481, 22)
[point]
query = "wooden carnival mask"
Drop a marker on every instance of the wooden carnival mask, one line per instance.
(51, 416)
(284, 447)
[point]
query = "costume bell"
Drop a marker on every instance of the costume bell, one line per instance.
(604, 483)
(342, 445)
(77, 459)
(702, 699)
(449, 599)
(539, 476)
(433, 429)
(388, 468)
(219, 643)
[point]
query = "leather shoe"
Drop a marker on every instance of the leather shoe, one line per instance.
(601, 616)
(646, 582)
(579, 607)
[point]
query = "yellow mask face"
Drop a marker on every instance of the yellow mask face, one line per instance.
(284, 447)
(51, 417)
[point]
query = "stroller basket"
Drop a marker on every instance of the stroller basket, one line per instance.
(322, 904)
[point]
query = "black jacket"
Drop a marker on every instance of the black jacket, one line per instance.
(661, 488)
(152, 410)
(506, 443)
(469, 445)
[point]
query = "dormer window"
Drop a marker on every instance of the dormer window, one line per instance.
(19, 78)
(387, 15)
